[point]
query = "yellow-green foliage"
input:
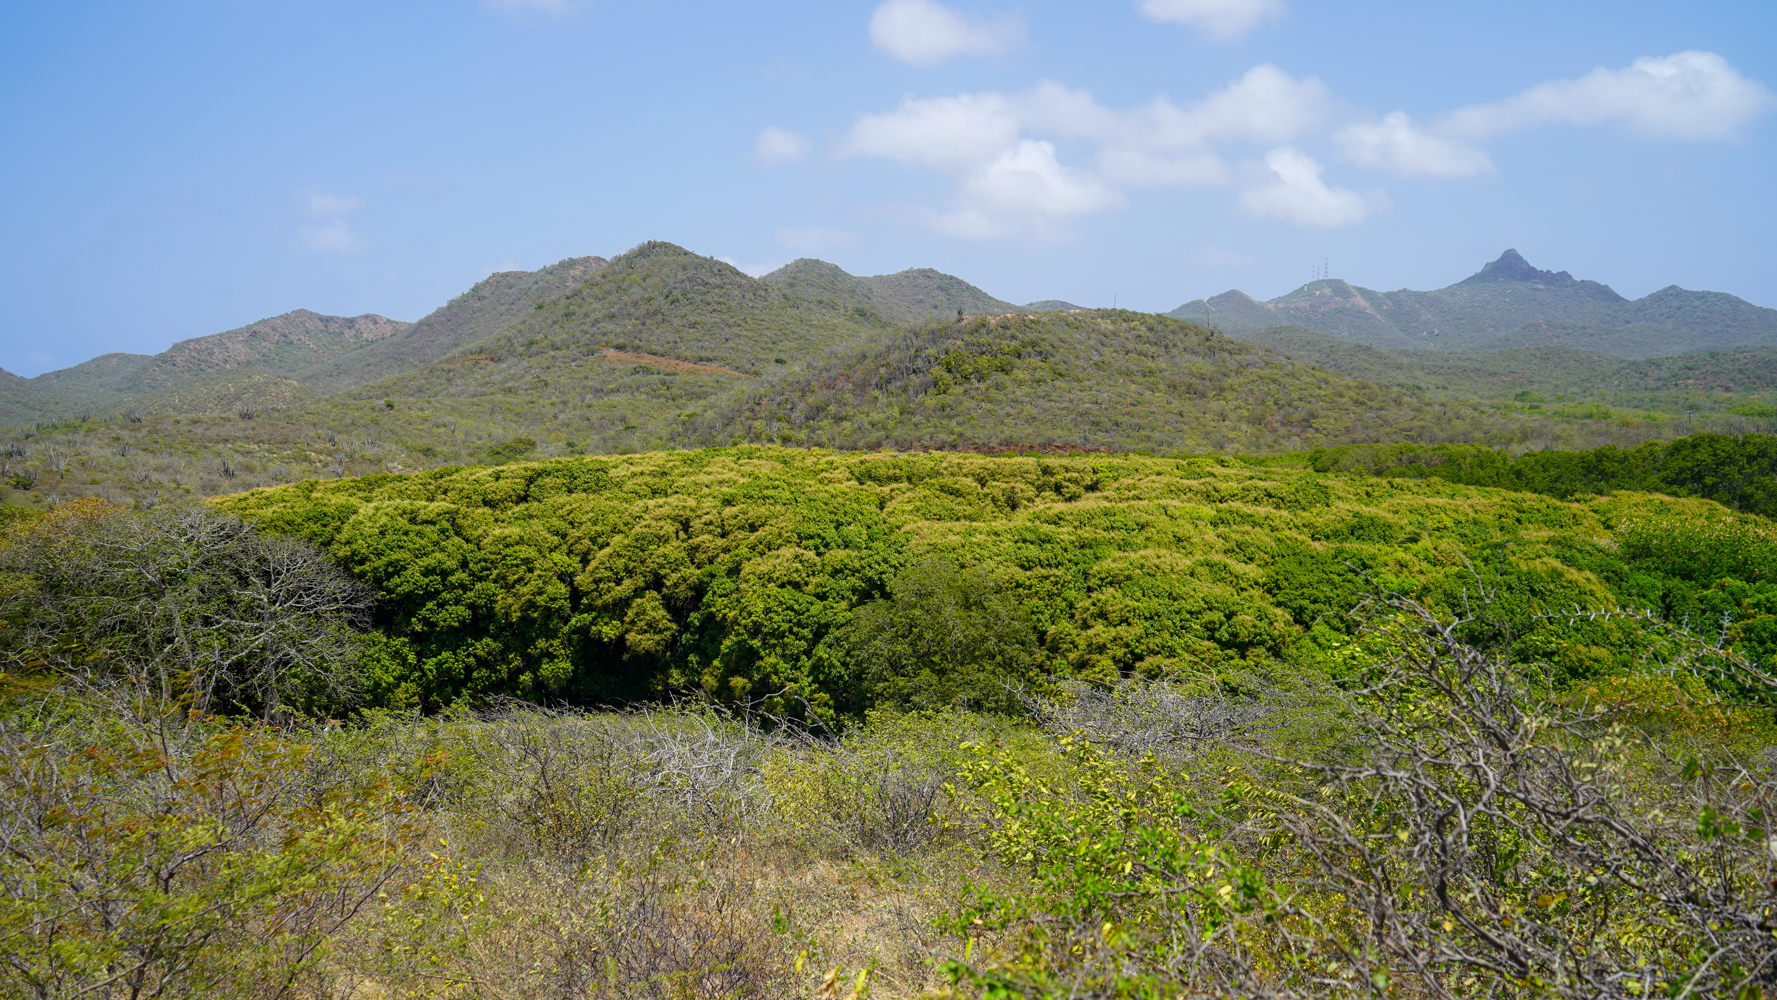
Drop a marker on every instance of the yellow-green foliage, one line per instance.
(734, 571)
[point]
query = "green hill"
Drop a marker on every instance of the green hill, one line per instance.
(22, 400)
(484, 310)
(289, 345)
(323, 353)
(1507, 304)
(1733, 380)
(94, 384)
(928, 294)
(909, 297)
(234, 390)
(1095, 380)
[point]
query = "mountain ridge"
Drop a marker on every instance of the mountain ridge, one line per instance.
(1507, 303)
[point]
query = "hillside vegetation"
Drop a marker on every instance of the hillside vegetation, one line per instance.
(484, 310)
(913, 296)
(1735, 382)
(289, 345)
(1091, 380)
(1737, 472)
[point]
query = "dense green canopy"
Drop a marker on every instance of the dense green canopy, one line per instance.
(741, 571)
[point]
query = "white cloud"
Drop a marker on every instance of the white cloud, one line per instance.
(1222, 20)
(1266, 105)
(326, 205)
(1395, 145)
(1684, 96)
(1158, 140)
(1289, 188)
(813, 239)
(333, 236)
(774, 146)
(948, 133)
(330, 233)
(1025, 189)
(1008, 180)
(923, 32)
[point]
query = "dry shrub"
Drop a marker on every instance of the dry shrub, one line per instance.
(1439, 825)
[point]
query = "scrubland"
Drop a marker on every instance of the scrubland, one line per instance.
(763, 722)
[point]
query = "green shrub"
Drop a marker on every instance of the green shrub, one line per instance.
(767, 573)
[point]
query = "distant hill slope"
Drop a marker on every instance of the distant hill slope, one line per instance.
(827, 287)
(285, 345)
(239, 390)
(484, 310)
(1048, 305)
(662, 299)
(1507, 304)
(107, 374)
(654, 335)
(21, 400)
(912, 296)
(929, 294)
(1097, 379)
(1499, 373)
(309, 354)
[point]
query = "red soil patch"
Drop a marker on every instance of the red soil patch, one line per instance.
(674, 365)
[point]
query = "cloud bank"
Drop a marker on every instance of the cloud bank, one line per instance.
(1687, 96)
(1395, 145)
(1009, 181)
(1035, 162)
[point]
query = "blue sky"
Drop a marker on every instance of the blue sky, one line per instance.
(177, 168)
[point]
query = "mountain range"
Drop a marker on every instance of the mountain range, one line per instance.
(1507, 304)
(313, 354)
(660, 347)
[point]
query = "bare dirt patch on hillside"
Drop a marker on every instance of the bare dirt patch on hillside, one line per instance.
(612, 356)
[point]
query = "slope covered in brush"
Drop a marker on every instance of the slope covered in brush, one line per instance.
(1671, 382)
(289, 345)
(1096, 380)
(927, 294)
(664, 300)
(658, 312)
(482, 311)
(913, 296)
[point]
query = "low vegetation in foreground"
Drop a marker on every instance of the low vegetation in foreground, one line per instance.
(845, 725)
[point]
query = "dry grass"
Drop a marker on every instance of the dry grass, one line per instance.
(670, 853)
